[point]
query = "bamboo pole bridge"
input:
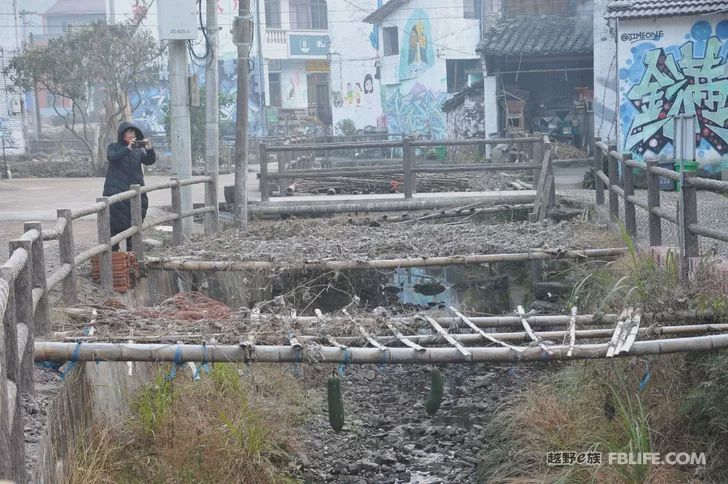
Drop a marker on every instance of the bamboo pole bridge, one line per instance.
(456, 339)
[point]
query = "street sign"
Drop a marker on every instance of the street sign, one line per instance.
(305, 45)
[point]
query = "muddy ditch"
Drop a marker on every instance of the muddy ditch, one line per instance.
(388, 436)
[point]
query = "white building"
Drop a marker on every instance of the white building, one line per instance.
(671, 58)
(426, 52)
(12, 132)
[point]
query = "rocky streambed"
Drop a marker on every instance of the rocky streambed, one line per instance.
(388, 436)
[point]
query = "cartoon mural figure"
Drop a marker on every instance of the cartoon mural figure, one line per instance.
(665, 82)
(357, 94)
(349, 94)
(368, 84)
(418, 45)
(416, 55)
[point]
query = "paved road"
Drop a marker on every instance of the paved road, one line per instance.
(26, 199)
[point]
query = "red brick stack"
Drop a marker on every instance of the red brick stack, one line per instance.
(124, 268)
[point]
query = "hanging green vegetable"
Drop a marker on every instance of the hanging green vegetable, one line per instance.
(336, 405)
(434, 399)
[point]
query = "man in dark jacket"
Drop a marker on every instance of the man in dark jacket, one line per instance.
(125, 158)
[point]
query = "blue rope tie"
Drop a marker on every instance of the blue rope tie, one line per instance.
(645, 378)
(177, 363)
(71, 364)
(383, 360)
(344, 362)
(204, 365)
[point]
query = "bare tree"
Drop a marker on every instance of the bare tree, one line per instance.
(90, 72)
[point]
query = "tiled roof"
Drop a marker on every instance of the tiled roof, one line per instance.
(534, 35)
(663, 8)
(384, 11)
(459, 97)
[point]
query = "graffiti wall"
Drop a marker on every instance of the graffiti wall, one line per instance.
(355, 87)
(416, 54)
(605, 74)
(415, 110)
(674, 66)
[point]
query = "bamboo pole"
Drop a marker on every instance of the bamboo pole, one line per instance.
(215, 266)
(46, 351)
(297, 207)
(465, 338)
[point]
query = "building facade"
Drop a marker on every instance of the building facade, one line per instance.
(12, 113)
(537, 58)
(672, 58)
(425, 53)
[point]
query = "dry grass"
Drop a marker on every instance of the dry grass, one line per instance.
(591, 407)
(599, 406)
(231, 426)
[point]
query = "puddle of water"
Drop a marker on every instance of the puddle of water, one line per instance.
(491, 289)
(484, 289)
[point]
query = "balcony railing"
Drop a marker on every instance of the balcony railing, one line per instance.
(275, 36)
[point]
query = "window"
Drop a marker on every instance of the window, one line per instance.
(319, 15)
(391, 40)
(273, 14)
(458, 71)
(472, 8)
(308, 14)
(274, 89)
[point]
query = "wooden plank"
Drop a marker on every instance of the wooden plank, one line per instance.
(441, 331)
(482, 333)
(404, 340)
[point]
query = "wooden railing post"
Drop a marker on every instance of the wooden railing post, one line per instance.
(407, 162)
(630, 221)
(538, 152)
(284, 161)
(177, 235)
(103, 223)
(264, 194)
(41, 317)
(12, 460)
(613, 181)
(687, 216)
(11, 361)
(211, 218)
(137, 240)
(598, 165)
(653, 201)
(66, 252)
(6, 465)
(23, 287)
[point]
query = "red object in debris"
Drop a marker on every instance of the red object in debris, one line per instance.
(394, 186)
(124, 267)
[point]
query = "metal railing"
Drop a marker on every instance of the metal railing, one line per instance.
(686, 215)
(536, 148)
(25, 286)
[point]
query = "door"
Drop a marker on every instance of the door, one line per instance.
(318, 97)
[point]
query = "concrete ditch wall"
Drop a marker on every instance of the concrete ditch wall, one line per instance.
(91, 393)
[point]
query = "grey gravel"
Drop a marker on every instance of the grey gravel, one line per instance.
(712, 212)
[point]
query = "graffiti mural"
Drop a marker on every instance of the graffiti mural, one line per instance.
(417, 112)
(151, 103)
(663, 79)
(416, 53)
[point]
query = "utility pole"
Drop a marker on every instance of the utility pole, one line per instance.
(243, 39)
(261, 70)
(179, 105)
(212, 132)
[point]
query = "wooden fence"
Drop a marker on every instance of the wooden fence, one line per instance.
(686, 215)
(25, 286)
(537, 149)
